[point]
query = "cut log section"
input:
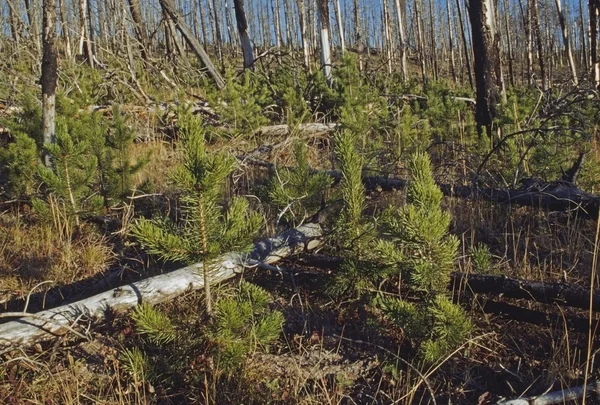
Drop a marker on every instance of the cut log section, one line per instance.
(58, 321)
(556, 397)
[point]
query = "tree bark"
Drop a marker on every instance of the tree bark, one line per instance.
(56, 322)
(594, 10)
(49, 74)
(303, 33)
(170, 9)
(487, 62)
(85, 47)
(535, 21)
(338, 14)
(140, 30)
(242, 25)
(358, 38)
(325, 44)
(466, 48)
(566, 41)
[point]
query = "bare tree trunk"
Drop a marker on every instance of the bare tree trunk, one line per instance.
(277, 20)
(584, 59)
(200, 11)
(400, 16)
(32, 20)
(140, 29)
(358, 38)
(535, 21)
(466, 48)
(325, 46)
(451, 43)
(566, 41)
(434, 55)
(338, 14)
(49, 75)
(387, 40)
(242, 25)
(13, 16)
(594, 10)
(169, 8)
(487, 60)
(511, 71)
(420, 41)
(217, 32)
(305, 43)
(85, 47)
(64, 24)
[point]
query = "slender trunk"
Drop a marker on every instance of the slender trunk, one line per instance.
(32, 21)
(566, 41)
(200, 11)
(140, 29)
(338, 13)
(14, 21)
(511, 71)
(487, 60)
(594, 10)
(584, 58)
(432, 31)
(305, 45)
(325, 46)
(420, 41)
(387, 40)
(466, 48)
(358, 38)
(217, 32)
(49, 74)
(85, 47)
(277, 20)
(242, 25)
(535, 21)
(399, 16)
(451, 43)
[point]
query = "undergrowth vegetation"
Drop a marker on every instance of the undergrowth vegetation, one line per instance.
(384, 322)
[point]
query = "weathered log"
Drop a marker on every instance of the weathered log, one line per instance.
(556, 397)
(314, 128)
(56, 322)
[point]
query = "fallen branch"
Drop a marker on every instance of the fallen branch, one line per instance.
(58, 321)
(556, 397)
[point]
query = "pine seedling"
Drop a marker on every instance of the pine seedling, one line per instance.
(243, 323)
(71, 177)
(207, 228)
(112, 148)
(298, 192)
(18, 164)
(353, 234)
(417, 244)
(420, 232)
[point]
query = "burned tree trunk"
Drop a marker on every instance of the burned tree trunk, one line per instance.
(487, 62)
(242, 25)
(464, 41)
(85, 47)
(172, 12)
(49, 74)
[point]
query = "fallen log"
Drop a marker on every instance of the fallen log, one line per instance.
(58, 321)
(314, 128)
(556, 397)
(548, 293)
(564, 294)
(559, 195)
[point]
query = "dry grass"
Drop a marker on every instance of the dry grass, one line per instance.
(35, 252)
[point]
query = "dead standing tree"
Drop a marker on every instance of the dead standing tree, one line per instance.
(187, 33)
(49, 74)
(242, 25)
(325, 47)
(487, 62)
